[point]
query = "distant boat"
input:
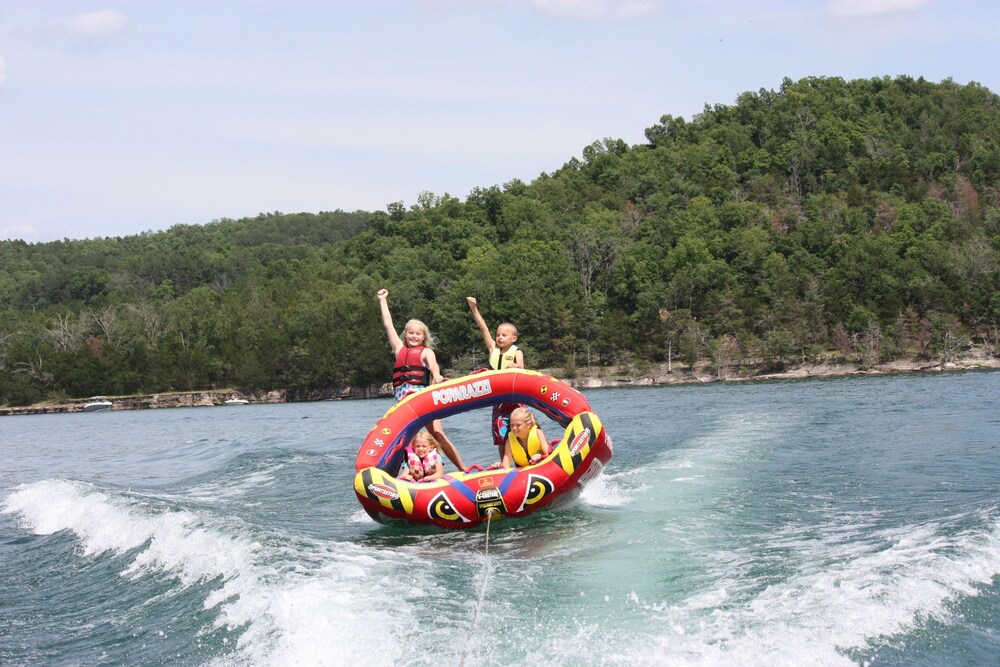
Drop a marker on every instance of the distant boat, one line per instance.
(237, 401)
(97, 404)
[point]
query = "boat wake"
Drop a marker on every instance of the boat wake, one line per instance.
(844, 599)
(276, 600)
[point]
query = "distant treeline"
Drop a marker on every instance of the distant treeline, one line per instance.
(853, 218)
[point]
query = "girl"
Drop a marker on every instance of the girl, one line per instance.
(422, 463)
(526, 444)
(416, 367)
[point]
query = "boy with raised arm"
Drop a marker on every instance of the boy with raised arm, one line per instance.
(504, 353)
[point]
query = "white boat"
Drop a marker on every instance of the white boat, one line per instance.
(237, 401)
(97, 404)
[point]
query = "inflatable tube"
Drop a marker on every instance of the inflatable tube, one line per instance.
(463, 500)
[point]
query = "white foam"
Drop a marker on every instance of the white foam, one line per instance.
(216, 491)
(53, 505)
(359, 516)
(608, 490)
(293, 605)
(843, 596)
(311, 617)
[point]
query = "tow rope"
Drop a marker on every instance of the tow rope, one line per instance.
(482, 591)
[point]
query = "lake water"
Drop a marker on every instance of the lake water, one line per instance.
(823, 522)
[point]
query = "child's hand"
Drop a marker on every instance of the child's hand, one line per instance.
(382, 293)
(472, 302)
(536, 458)
(494, 466)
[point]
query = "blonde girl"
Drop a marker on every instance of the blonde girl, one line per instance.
(422, 463)
(416, 367)
(526, 443)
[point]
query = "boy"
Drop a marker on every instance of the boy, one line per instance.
(504, 353)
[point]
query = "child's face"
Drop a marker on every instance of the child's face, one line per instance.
(414, 336)
(421, 446)
(505, 336)
(520, 426)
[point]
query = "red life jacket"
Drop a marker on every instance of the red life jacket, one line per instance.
(408, 369)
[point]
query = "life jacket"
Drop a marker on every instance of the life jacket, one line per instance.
(522, 456)
(428, 464)
(409, 369)
(500, 361)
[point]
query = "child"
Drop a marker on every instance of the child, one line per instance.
(415, 368)
(422, 463)
(526, 444)
(504, 353)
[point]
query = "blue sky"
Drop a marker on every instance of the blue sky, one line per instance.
(122, 117)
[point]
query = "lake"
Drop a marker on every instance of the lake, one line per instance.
(833, 521)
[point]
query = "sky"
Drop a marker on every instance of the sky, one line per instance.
(118, 118)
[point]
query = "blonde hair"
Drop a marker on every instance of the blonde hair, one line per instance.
(424, 434)
(524, 413)
(511, 325)
(428, 338)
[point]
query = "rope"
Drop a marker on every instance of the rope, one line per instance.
(482, 591)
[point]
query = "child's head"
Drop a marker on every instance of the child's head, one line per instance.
(416, 333)
(521, 421)
(506, 335)
(422, 443)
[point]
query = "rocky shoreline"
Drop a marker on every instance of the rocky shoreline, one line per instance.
(588, 378)
(661, 375)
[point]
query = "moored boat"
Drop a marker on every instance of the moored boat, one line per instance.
(97, 404)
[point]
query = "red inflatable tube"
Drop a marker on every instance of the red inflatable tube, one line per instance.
(464, 500)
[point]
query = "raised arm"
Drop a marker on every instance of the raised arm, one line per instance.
(390, 330)
(481, 323)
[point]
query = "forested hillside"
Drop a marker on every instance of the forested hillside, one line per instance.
(854, 218)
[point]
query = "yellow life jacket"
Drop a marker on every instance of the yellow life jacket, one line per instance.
(522, 456)
(499, 361)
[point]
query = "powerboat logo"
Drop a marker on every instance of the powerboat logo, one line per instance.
(579, 441)
(383, 491)
(461, 392)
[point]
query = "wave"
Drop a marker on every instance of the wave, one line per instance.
(842, 600)
(835, 590)
(289, 601)
(828, 594)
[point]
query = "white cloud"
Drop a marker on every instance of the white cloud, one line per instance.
(590, 10)
(873, 7)
(3, 70)
(17, 232)
(103, 23)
